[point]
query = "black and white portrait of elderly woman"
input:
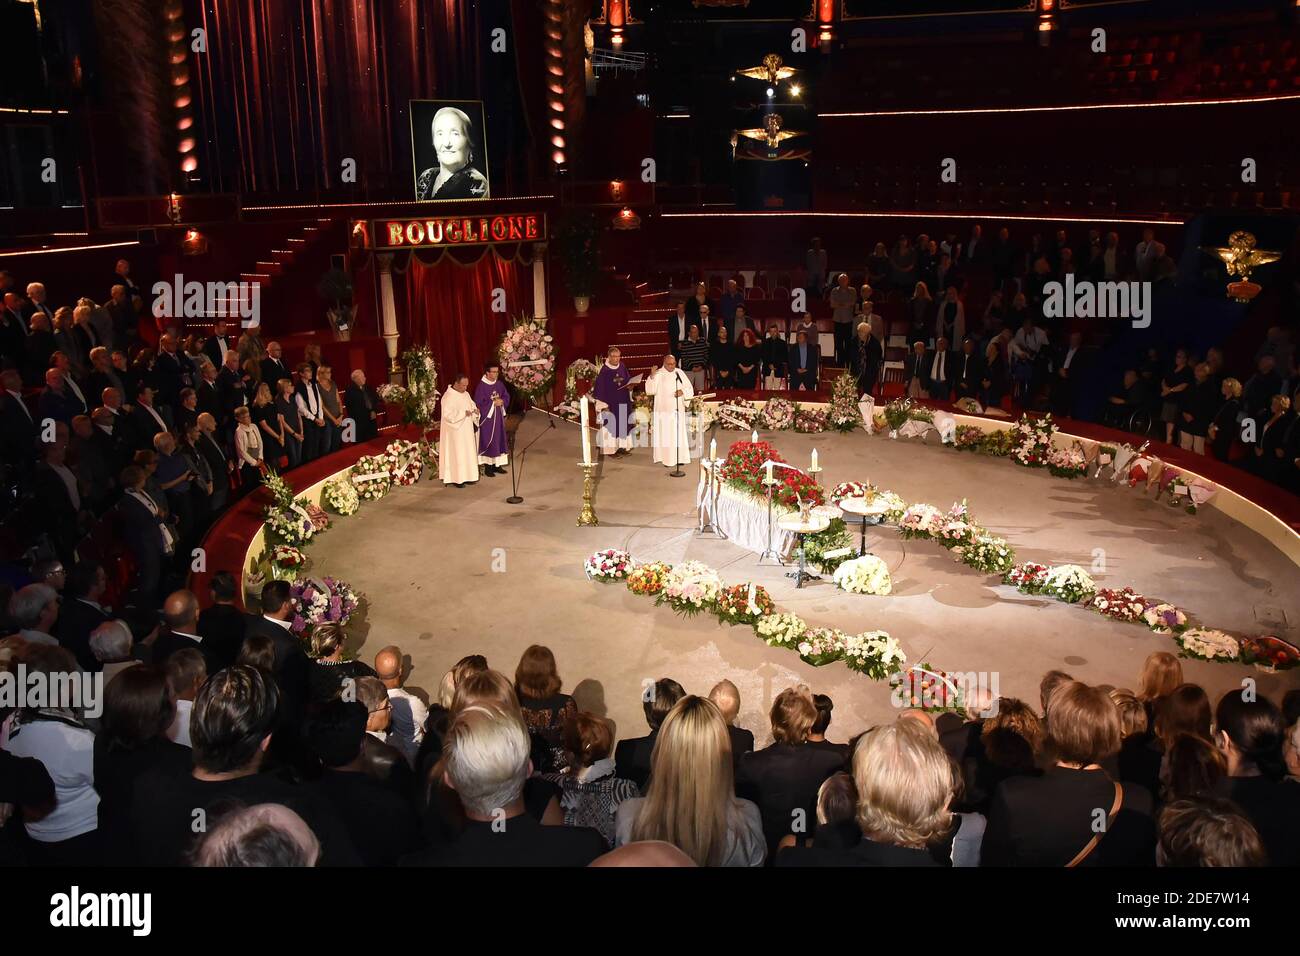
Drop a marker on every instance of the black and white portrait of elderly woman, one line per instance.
(450, 153)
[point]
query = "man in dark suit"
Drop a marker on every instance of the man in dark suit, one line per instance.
(363, 406)
(172, 372)
(208, 395)
(96, 463)
(273, 367)
(18, 434)
(232, 391)
(805, 363)
(102, 375)
(181, 615)
(1069, 367)
(142, 529)
(726, 696)
(486, 756)
(212, 449)
(290, 660)
(677, 326)
(57, 400)
(784, 778)
(916, 371)
(80, 613)
(146, 420)
(940, 370)
(13, 330)
(57, 499)
(632, 757)
(967, 369)
(217, 344)
(222, 625)
(121, 311)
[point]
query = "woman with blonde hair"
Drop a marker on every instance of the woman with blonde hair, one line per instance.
(1224, 428)
(690, 800)
(267, 419)
(1161, 673)
(330, 672)
(905, 783)
(1140, 753)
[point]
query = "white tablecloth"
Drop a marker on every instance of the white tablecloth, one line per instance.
(743, 519)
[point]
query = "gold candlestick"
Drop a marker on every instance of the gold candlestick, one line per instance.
(587, 516)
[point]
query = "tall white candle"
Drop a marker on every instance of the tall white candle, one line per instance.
(713, 449)
(754, 436)
(769, 471)
(586, 434)
(814, 460)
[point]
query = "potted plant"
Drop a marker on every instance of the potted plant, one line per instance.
(335, 287)
(579, 242)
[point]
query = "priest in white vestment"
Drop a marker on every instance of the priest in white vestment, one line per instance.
(458, 436)
(671, 390)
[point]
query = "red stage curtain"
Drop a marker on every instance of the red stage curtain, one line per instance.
(449, 304)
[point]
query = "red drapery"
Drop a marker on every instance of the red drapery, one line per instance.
(449, 304)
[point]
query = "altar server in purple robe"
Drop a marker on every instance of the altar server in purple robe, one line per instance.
(491, 397)
(614, 406)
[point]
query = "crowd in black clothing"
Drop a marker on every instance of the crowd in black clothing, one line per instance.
(294, 760)
(98, 425)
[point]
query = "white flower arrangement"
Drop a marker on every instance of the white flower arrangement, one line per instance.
(777, 415)
(405, 461)
(781, 630)
(865, 575)
(1069, 583)
(1209, 645)
(341, 497)
(988, 553)
(691, 587)
(371, 477)
(873, 653)
(822, 645)
(608, 565)
(527, 341)
(955, 533)
(289, 526)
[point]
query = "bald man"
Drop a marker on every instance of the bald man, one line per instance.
(269, 834)
(727, 696)
(409, 712)
(181, 617)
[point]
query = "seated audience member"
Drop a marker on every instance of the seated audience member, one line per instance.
(545, 709)
(80, 613)
(1250, 735)
(181, 615)
(1009, 745)
(904, 782)
(632, 757)
(381, 823)
(804, 363)
(383, 759)
(258, 651)
(409, 712)
(690, 800)
(1140, 754)
(68, 834)
(1049, 820)
(132, 741)
(485, 759)
(1184, 710)
(783, 779)
(111, 644)
(648, 853)
(221, 624)
(186, 671)
(837, 816)
(230, 729)
(265, 835)
(34, 609)
(330, 672)
(291, 670)
(590, 789)
(1052, 681)
(1207, 832)
(1192, 767)
(726, 696)
(1161, 675)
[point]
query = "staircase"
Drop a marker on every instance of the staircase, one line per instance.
(644, 340)
(272, 264)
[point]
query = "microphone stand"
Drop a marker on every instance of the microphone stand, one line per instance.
(677, 428)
